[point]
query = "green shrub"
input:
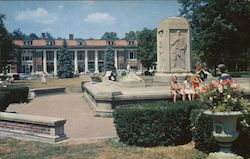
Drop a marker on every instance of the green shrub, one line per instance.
(202, 127)
(241, 145)
(18, 94)
(204, 141)
(4, 103)
(152, 124)
(96, 78)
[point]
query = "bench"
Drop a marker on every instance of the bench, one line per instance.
(46, 91)
(32, 127)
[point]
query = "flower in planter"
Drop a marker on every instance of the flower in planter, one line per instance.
(222, 96)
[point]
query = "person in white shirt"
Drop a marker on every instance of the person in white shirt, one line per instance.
(188, 89)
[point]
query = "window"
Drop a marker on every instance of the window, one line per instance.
(131, 42)
(132, 55)
(81, 42)
(38, 67)
(111, 42)
(91, 55)
(80, 55)
(28, 43)
(27, 57)
(100, 55)
(50, 55)
(51, 43)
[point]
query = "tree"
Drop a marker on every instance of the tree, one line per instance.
(33, 36)
(131, 35)
(220, 29)
(6, 45)
(147, 47)
(19, 35)
(109, 36)
(48, 35)
(65, 66)
(109, 62)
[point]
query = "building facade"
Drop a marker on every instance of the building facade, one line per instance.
(35, 56)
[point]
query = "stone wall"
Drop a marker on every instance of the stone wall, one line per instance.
(31, 127)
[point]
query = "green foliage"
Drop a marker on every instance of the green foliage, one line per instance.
(219, 30)
(19, 35)
(109, 36)
(147, 47)
(131, 35)
(4, 103)
(17, 94)
(153, 124)
(96, 78)
(65, 65)
(205, 142)
(7, 46)
(202, 127)
(109, 63)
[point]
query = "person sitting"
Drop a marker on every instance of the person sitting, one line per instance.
(223, 73)
(196, 82)
(188, 89)
(176, 89)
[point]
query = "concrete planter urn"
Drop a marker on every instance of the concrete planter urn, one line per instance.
(224, 131)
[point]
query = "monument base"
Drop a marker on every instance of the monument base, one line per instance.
(167, 77)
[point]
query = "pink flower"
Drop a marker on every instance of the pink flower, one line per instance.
(220, 88)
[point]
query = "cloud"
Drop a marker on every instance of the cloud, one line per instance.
(39, 15)
(88, 4)
(100, 18)
(60, 6)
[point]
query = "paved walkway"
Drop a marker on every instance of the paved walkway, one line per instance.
(81, 122)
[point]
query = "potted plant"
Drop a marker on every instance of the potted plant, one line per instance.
(224, 103)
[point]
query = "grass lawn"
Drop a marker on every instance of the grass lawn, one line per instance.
(71, 84)
(100, 149)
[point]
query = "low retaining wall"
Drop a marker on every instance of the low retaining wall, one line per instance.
(32, 127)
(46, 91)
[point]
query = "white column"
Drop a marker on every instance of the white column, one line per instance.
(76, 62)
(116, 63)
(86, 61)
(44, 61)
(55, 62)
(96, 62)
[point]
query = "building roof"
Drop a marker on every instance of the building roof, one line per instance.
(96, 43)
(39, 42)
(121, 42)
(18, 43)
(74, 42)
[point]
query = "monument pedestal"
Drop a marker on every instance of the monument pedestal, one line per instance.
(166, 77)
(173, 50)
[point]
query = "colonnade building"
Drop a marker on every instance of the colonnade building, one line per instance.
(87, 55)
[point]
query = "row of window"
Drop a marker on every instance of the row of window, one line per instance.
(80, 56)
(51, 43)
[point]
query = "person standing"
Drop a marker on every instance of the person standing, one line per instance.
(44, 78)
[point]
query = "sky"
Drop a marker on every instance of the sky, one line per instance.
(86, 19)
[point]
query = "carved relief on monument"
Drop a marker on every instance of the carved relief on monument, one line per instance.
(161, 51)
(178, 49)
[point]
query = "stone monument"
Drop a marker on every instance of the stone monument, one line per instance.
(173, 49)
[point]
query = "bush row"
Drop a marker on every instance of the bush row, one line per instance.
(152, 124)
(165, 123)
(13, 94)
(4, 101)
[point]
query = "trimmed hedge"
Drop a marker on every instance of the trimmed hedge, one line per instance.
(204, 141)
(18, 94)
(152, 124)
(4, 103)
